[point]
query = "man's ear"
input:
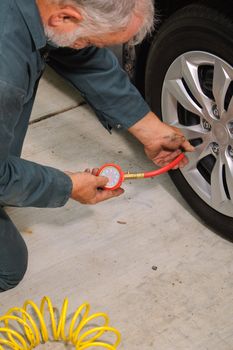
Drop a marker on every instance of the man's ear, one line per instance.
(65, 15)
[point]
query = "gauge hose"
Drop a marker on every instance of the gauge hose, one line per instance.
(23, 329)
(146, 175)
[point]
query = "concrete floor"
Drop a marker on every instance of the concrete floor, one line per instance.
(104, 254)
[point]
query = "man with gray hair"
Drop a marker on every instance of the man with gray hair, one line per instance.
(71, 36)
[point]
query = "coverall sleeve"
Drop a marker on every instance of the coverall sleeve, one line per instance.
(24, 183)
(96, 73)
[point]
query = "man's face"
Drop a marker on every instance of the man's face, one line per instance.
(70, 39)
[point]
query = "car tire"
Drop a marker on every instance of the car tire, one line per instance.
(194, 28)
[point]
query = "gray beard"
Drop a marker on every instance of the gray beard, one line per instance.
(61, 40)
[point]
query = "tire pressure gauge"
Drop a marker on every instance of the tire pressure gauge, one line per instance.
(114, 174)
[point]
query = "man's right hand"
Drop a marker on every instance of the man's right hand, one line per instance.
(88, 188)
(162, 142)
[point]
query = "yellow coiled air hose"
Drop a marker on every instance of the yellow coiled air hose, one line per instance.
(20, 330)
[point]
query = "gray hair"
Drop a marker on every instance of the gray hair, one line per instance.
(101, 16)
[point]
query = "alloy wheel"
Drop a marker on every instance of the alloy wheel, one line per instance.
(197, 98)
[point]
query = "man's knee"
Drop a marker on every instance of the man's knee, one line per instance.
(12, 274)
(13, 254)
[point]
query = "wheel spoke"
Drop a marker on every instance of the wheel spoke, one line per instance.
(201, 152)
(192, 132)
(177, 90)
(221, 82)
(229, 175)
(192, 164)
(229, 114)
(218, 194)
(190, 75)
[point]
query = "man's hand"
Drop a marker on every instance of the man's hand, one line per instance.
(87, 187)
(162, 143)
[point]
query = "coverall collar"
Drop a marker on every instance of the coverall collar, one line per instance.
(31, 15)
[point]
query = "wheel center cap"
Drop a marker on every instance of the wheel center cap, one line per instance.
(221, 134)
